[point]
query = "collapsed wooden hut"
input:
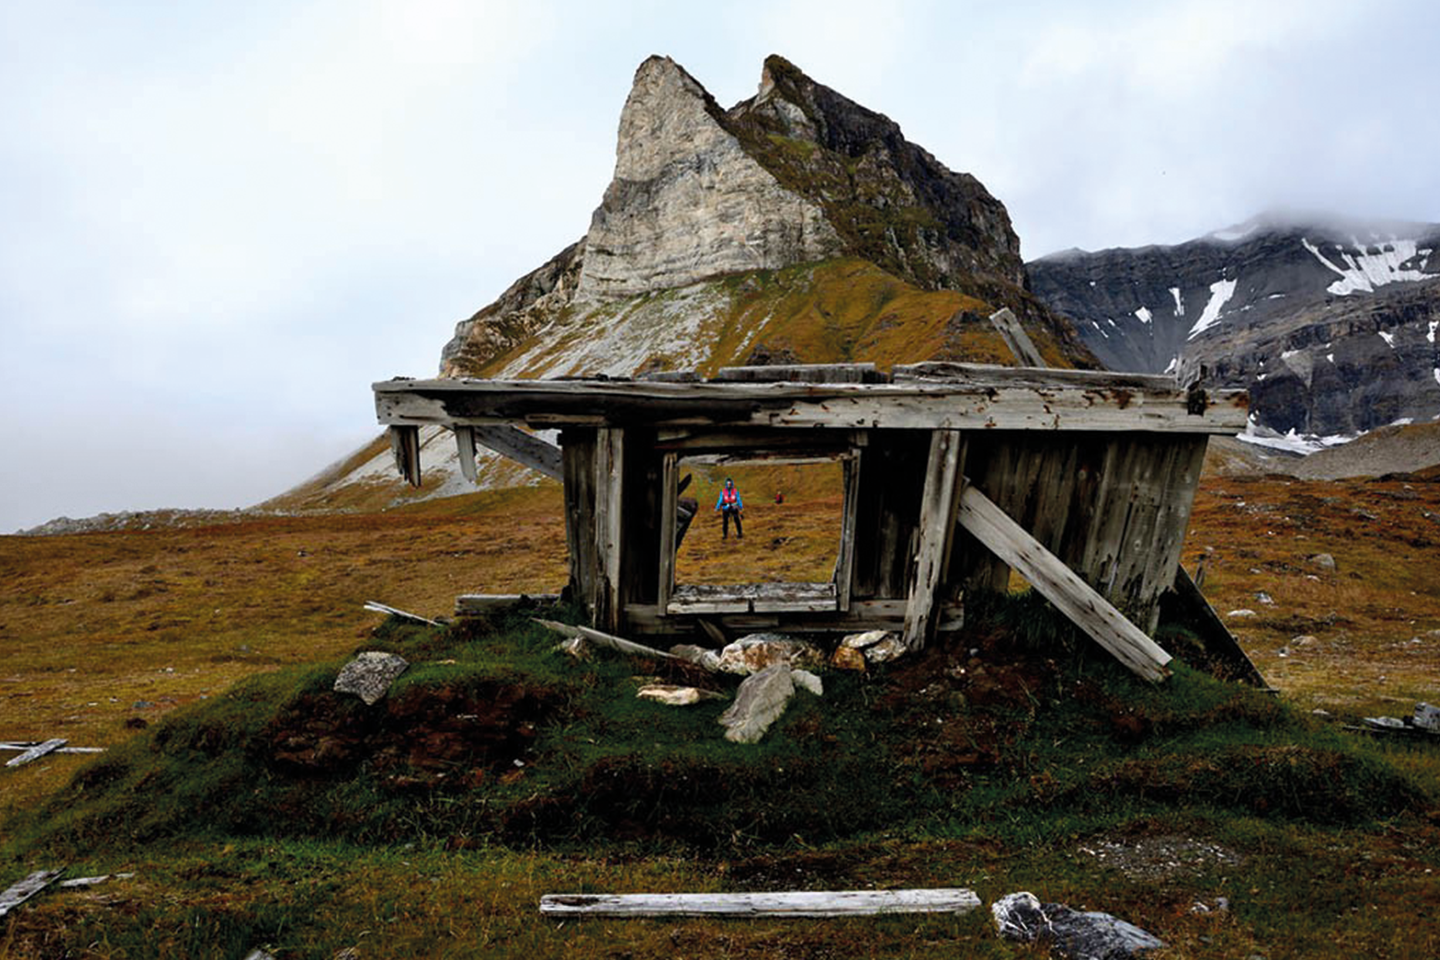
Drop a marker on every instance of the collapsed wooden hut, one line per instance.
(952, 474)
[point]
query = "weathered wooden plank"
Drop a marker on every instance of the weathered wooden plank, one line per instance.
(1220, 644)
(1086, 608)
(621, 645)
(522, 447)
(646, 620)
(23, 745)
(581, 540)
(93, 881)
(37, 751)
(845, 554)
(465, 450)
(937, 532)
(17, 893)
(803, 373)
(1015, 398)
(808, 903)
(374, 606)
(405, 446)
(609, 523)
(1016, 338)
(669, 542)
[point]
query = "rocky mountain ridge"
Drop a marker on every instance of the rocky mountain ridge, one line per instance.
(1331, 326)
(796, 174)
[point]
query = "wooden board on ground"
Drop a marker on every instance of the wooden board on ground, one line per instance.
(810, 903)
(37, 751)
(18, 893)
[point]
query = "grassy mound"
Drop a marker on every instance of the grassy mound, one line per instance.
(493, 736)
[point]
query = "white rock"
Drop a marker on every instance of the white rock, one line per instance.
(859, 641)
(806, 680)
(759, 702)
(370, 674)
(886, 650)
(1427, 717)
(1241, 613)
(675, 696)
(760, 650)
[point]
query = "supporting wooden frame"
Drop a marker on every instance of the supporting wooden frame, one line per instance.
(1080, 480)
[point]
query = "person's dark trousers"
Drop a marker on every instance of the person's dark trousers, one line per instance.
(725, 523)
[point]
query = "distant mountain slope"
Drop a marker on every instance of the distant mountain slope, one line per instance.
(1332, 328)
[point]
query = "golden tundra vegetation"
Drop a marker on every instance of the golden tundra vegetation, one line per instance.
(1010, 758)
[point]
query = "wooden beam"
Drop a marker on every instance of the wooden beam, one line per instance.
(1060, 585)
(1016, 338)
(17, 893)
(405, 445)
(923, 396)
(808, 903)
(937, 533)
(669, 505)
(609, 521)
(522, 447)
(803, 373)
(37, 751)
(845, 554)
(465, 450)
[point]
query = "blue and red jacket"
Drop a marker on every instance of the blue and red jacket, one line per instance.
(729, 499)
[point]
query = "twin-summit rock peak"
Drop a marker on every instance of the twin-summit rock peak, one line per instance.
(796, 174)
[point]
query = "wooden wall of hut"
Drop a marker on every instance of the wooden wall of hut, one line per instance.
(1113, 507)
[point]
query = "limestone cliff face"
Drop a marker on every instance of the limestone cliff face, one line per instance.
(687, 202)
(796, 174)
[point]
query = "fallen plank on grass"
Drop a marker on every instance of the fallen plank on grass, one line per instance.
(376, 607)
(37, 751)
(609, 641)
(806, 903)
(18, 893)
(23, 745)
(93, 881)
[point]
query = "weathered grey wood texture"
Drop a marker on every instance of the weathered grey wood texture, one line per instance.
(983, 518)
(1016, 338)
(17, 893)
(923, 396)
(799, 904)
(37, 751)
(524, 448)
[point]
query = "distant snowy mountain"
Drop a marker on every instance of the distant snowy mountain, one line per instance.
(1330, 324)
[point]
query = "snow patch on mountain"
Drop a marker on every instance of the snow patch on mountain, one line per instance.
(1179, 303)
(1220, 293)
(1143, 314)
(1364, 270)
(1291, 441)
(1388, 337)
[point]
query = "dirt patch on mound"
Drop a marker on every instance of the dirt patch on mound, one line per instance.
(424, 738)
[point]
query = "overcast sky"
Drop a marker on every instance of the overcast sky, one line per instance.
(219, 223)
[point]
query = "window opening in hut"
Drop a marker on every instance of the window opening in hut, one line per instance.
(788, 555)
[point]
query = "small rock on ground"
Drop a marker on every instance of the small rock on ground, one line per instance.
(370, 674)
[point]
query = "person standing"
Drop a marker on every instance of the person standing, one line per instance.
(728, 505)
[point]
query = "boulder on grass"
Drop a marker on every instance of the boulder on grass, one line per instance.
(1071, 933)
(370, 674)
(760, 650)
(848, 658)
(759, 702)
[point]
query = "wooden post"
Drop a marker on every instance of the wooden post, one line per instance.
(669, 495)
(465, 450)
(524, 448)
(405, 445)
(845, 557)
(609, 523)
(937, 533)
(1061, 586)
(1016, 338)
